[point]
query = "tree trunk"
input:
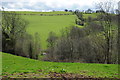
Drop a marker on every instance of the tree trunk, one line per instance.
(119, 39)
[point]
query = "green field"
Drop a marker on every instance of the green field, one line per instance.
(45, 24)
(14, 65)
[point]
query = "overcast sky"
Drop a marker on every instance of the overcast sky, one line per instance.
(48, 5)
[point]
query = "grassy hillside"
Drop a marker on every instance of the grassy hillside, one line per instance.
(16, 66)
(45, 24)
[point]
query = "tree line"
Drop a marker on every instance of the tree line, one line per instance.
(81, 45)
(40, 14)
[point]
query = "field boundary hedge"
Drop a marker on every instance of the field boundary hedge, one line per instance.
(44, 14)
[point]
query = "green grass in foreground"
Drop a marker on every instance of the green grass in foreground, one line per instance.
(16, 64)
(45, 24)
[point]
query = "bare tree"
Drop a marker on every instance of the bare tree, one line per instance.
(51, 42)
(118, 32)
(36, 46)
(106, 23)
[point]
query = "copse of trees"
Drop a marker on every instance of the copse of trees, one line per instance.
(81, 45)
(71, 46)
(80, 20)
(15, 39)
(89, 11)
(12, 27)
(66, 10)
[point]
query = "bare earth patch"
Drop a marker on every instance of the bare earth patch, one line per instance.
(53, 75)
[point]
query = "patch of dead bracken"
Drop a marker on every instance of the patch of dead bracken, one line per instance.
(55, 75)
(23, 75)
(66, 75)
(71, 76)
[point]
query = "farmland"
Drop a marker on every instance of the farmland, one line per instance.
(15, 66)
(45, 24)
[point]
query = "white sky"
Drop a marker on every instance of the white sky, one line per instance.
(42, 5)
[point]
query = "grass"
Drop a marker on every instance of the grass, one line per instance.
(15, 64)
(93, 15)
(45, 24)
